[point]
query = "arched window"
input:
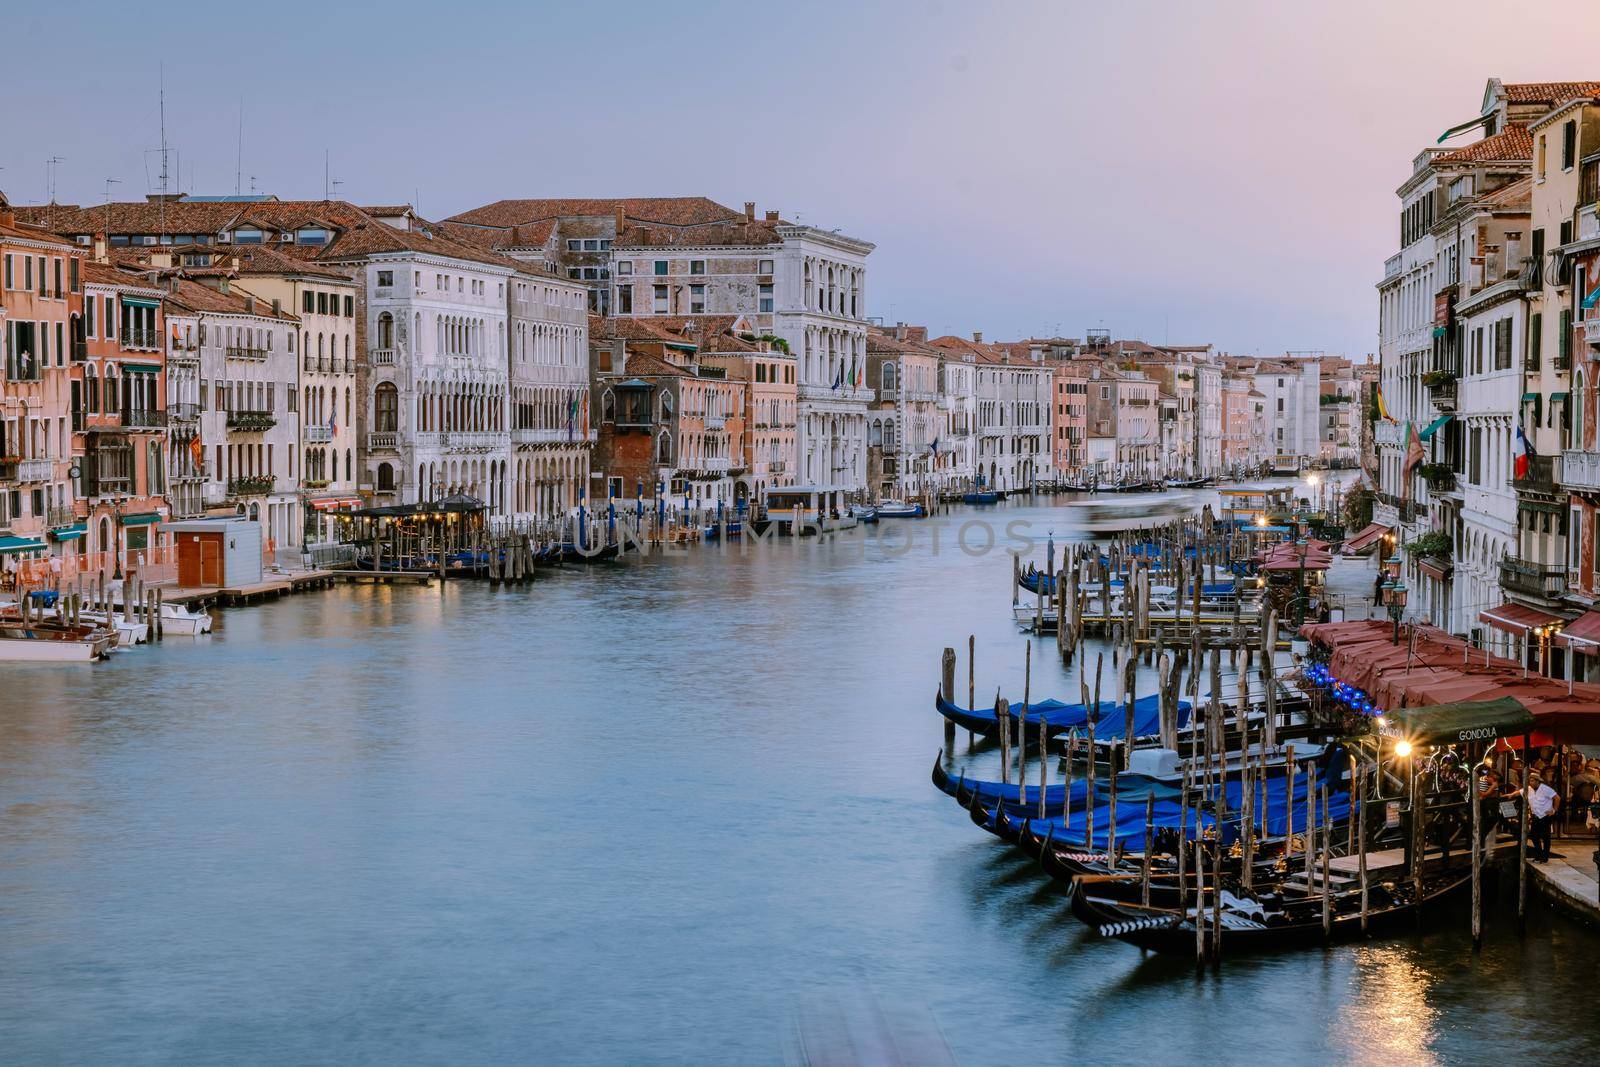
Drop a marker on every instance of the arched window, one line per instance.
(385, 478)
(875, 434)
(888, 377)
(664, 448)
(666, 406)
(608, 407)
(888, 434)
(386, 407)
(385, 330)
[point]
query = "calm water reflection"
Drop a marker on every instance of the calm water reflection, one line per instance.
(643, 814)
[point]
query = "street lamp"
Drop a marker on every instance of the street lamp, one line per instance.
(1395, 594)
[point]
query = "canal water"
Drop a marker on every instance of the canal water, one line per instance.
(672, 811)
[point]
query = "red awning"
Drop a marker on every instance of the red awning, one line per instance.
(1582, 634)
(1517, 618)
(1364, 541)
(336, 503)
(1434, 570)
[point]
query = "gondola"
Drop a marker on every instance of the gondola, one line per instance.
(1188, 483)
(1110, 716)
(1264, 921)
(724, 531)
(1075, 487)
(570, 553)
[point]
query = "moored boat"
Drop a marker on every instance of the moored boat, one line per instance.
(896, 509)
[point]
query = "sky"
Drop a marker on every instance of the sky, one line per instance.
(1218, 172)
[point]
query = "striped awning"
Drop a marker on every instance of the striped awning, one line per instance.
(1366, 540)
(1517, 618)
(335, 503)
(8, 545)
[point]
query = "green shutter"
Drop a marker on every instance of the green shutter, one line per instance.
(1535, 335)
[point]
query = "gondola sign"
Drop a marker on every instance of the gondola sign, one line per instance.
(1459, 723)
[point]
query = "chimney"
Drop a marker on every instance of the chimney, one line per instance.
(249, 304)
(899, 331)
(277, 307)
(100, 246)
(977, 337)
(749, 211)
(7, 216)
(622, 218)
(772, 216)
(516, 236)
(172, 283)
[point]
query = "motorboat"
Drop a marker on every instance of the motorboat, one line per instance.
(1114, 516)
(896, 509)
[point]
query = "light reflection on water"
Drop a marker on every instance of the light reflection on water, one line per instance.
(643, 813)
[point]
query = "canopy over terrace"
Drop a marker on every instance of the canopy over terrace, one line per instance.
(430, 535)
(1370, 537)
(1431, 668)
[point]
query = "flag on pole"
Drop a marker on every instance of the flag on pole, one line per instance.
(198, 454)
(572, 414)
(1522, 454)
(838, 378)
(1383, 409)
(333, 419)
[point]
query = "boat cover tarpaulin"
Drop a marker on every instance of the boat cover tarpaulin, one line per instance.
(1109, 722)
(1476, 720)
(1366, 540)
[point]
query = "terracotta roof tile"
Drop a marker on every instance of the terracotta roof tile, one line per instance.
(1548, 92)
(1513, 144)
(666, 210)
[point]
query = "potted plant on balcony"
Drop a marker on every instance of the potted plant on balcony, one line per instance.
(1438, 475)
(1435, 378)
(1433, 545)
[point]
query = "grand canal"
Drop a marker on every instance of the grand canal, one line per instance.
(650, 813)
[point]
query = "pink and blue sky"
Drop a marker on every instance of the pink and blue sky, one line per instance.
(1187, 172)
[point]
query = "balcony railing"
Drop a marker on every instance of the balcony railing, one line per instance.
(1544, 580)
(133, 337)
(1580, 470)
(715, 423)
(1542, 476)
(1591, 330)
(251, 421)
(57, 517)
(255, 485)
(318, 433)
(144, 419)
(184, 412)
(244, 352)
(1444, 395)
(384, 441)
(776, 466)
(35, 470)
(383, 357)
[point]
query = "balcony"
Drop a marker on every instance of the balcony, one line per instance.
(1439, 476)
(776, 466)
(1542, 580)
(1580, 471)
(133, 337)
(35, 470)
(57, 517)
(251, 421)
(716, 423)
(243, 352)
(144, 419)
(254, 485)
(383, 357)
(1542, 476)
(384, 441)
(1442, 389)
(183, 412)
(1591, 330)
(318, 433)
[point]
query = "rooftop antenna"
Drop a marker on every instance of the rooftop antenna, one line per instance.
(238, 153)
(325, 175)
(161, 212)
(109, 183)
(51, 166)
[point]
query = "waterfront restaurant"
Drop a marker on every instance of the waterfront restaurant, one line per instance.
(441, 535)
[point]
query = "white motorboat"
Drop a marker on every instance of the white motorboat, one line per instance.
(1134, 512)
(52, 641)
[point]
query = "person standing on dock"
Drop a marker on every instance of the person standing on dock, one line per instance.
(1542, 804)
(1488, 797)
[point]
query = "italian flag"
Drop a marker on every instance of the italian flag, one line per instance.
(1521, 454)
